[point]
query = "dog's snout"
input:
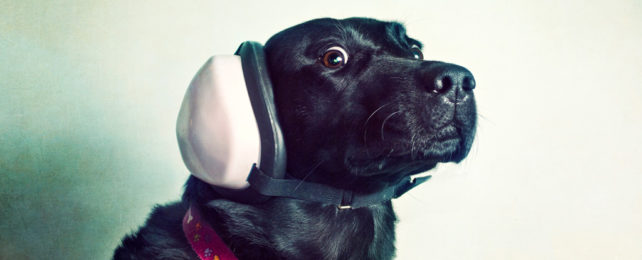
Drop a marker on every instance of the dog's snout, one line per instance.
(450, 80)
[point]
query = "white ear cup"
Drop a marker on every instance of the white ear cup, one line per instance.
(216, 128)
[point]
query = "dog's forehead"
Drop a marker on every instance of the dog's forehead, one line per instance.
(375, 30)
(352, 30)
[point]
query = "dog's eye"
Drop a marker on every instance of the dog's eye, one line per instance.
(334, 57)
(416, 52)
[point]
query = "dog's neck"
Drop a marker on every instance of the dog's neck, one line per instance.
(313, 230)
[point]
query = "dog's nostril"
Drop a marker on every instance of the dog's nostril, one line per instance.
(442, 84)
(445, 78)
(469, 83)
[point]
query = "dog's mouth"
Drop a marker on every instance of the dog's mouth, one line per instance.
(409, 156)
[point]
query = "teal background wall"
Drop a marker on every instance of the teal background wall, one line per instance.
(89, 93)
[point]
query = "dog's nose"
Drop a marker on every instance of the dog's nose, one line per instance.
(452, 81)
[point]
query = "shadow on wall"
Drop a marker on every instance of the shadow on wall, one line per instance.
(87, 147)
(56, 195)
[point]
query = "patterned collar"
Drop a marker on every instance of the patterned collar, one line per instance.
(204, 240)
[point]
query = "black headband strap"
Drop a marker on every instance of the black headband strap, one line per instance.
(298, 189)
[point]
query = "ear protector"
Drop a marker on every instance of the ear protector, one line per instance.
(228, 122)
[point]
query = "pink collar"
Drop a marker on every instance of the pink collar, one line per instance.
(204, 240)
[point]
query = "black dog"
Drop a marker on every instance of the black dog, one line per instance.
(360, 109)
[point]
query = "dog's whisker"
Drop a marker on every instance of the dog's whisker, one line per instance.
(481, 116)
(373, 113)
(384, 123)
(365, 125)
(389, 153)
(398, 78)
(308, 174)
(413, 147)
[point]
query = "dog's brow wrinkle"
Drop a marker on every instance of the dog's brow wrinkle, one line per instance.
(343, 83)
(397, 33)
(358, 36)
(342, 30)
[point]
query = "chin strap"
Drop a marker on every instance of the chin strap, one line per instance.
(344, 199)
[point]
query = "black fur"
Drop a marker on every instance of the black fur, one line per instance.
(380, 117)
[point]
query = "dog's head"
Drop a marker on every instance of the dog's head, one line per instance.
(359, 106)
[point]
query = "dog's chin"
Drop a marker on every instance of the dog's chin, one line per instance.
(408, 159)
